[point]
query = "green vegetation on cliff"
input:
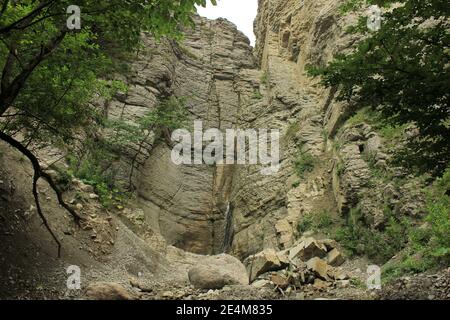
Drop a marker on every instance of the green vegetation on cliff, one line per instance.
(402, 71)
(52, 71)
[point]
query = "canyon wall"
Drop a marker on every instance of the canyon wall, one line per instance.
(228, 85)
(186, 204)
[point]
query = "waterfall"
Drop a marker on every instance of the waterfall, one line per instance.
(229, 230)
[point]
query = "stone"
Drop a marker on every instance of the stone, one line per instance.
(93, 196)
(321, 285)
(265, 261)
(215, 272)
(167, 295)
(343, 283)
(53, 174)
(330, 244)
(261, 283)
(107, 291)
(319, 267)
(373, 145)
(280, 281)
(335, 258)
(340, 275)
(308, 249)
(80, 185)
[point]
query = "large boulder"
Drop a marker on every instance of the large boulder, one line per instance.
(265, 261)
(335, 258)
(307, 249)
(215, 272)
(320, 268)
(107, 291)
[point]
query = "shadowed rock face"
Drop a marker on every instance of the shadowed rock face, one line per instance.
(215, 70)
(227, 84)
(186, 204)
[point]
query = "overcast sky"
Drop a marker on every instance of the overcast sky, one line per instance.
(240, 12)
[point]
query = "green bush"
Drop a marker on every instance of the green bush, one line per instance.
(438, 219)
(305, 224)
(295, 184)
(257, 94)
(304, 163)
(429, 244)
(94, 166)
(378, 245)
(316, 221)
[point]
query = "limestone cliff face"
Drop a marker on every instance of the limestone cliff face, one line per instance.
(186, 204)
(228, 84)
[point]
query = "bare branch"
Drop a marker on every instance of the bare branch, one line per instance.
(40, 173)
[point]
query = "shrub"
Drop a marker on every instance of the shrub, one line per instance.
(429, 244)
(304, 163)
(438, 218)
(359, 239)
(317, 221)
(265, 78)
(257, 94)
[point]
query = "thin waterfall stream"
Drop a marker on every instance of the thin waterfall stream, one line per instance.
(229, 230)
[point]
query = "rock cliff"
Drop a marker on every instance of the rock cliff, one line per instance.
(228, 85)
(330, 161)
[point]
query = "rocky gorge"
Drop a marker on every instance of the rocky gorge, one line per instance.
(222, 231)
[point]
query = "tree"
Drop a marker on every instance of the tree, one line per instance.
(50, 74)
(401, 70)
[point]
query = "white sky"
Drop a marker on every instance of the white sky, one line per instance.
(240, 12)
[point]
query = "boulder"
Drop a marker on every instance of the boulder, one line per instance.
(265, 261)
(80, 185)
(280, 281)
(261, 283)
(335, 258)
(321, 285)
(107, 291)
(307, 249)
(215, 272)
(329, 244)
(319, 267)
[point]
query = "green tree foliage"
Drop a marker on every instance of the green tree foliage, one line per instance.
(378, 245)
(50, 73)
(402, 70)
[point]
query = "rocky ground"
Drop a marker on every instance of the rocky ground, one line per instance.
(117, 263)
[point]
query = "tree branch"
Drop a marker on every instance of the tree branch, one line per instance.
(10, 92)
(26, 19)
(4, 7)
(40, 173)
(39, 210)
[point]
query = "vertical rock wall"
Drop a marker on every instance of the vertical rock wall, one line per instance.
(228, 84)
(186, 204)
